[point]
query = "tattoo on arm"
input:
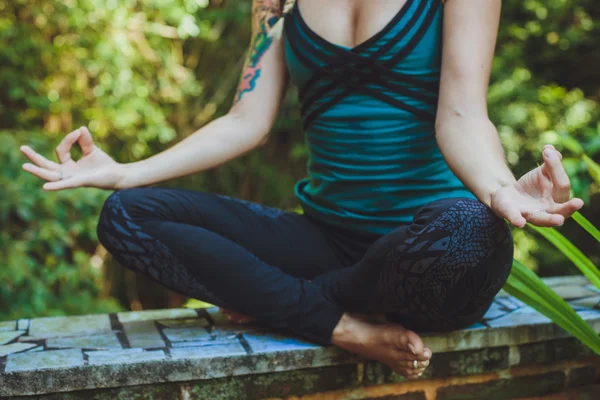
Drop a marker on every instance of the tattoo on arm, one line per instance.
(266, 14)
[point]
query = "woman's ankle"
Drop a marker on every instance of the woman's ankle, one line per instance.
(347, 333)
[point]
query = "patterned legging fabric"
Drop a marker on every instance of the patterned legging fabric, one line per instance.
(288, 270)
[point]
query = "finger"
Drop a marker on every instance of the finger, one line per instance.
(412, 342)
(511, 213)
(553, 148)
(69, 183)
(43, 173)
(86, 141)
(553, 169)
(545, 219)
(566, 209)
(63, 150)
(413, 374)
(38, 159)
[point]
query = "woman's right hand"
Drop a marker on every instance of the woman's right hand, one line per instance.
(94, 169)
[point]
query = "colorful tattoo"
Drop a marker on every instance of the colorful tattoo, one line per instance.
(266, 14)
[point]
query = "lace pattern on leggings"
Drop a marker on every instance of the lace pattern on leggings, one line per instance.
(133, 248)
(420, 273)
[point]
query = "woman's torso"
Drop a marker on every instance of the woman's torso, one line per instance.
(368, 112)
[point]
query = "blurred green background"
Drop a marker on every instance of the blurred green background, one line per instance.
(143, 74)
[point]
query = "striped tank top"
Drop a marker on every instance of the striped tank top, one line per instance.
(368, 114)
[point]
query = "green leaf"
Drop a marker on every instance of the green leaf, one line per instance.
(526, 286)
(587, 225)
(593, 168)
(563, 244)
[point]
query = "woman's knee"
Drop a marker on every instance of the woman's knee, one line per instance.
(114, 220)
(490, 242)
(471, 224)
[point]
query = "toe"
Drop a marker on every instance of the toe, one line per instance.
(408, 356)
(409, 365)
(425, 355)
(411, 341)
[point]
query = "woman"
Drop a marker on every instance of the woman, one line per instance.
(407, 191)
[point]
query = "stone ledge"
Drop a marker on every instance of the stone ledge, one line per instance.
(69, 354)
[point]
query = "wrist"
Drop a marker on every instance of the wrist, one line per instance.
(122, 172)
(488, 195)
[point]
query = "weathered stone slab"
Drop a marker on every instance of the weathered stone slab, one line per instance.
(8, 326)
(496, 310)
(186, 334)
(566, 280)
(589, 302)
(229, 331)
(69, 326)
(124, 356)
(102, 341)
(218, 350)
(184, 323)
(33, 349)
(207, 342)
(174, 313)
(266, 343)
(510, 303)
(9, 336)
(459, 340)
(519, 318)
(589, 314)
(592, 288)
(15, 348)
(27, 338)
(143, 334)
(44, 360)
(23, 324)
(572, 292)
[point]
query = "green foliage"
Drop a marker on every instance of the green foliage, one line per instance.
(528, 287)
(544, 89)
(525, 285)
(47, 240)
(571, 251)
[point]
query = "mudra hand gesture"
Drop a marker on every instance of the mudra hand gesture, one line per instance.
(94, 169)
(541, 197)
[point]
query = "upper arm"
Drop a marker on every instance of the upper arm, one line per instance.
(469, 39)
(263, 79)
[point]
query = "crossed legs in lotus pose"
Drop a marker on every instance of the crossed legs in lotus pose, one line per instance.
(291, 272)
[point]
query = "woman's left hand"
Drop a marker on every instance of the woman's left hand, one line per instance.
(541, 197)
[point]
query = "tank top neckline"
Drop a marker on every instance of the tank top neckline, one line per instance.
(362, 45)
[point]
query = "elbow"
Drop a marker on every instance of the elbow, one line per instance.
(262, 138)
(448, 118)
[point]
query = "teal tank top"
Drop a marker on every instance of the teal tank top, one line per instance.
(368, 113)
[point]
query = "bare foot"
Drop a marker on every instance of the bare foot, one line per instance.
(388, 343)
(235, 317)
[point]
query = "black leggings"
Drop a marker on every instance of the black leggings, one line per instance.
(291, 271)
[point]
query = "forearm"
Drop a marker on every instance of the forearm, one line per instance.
(471, 147)
(221, 140)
